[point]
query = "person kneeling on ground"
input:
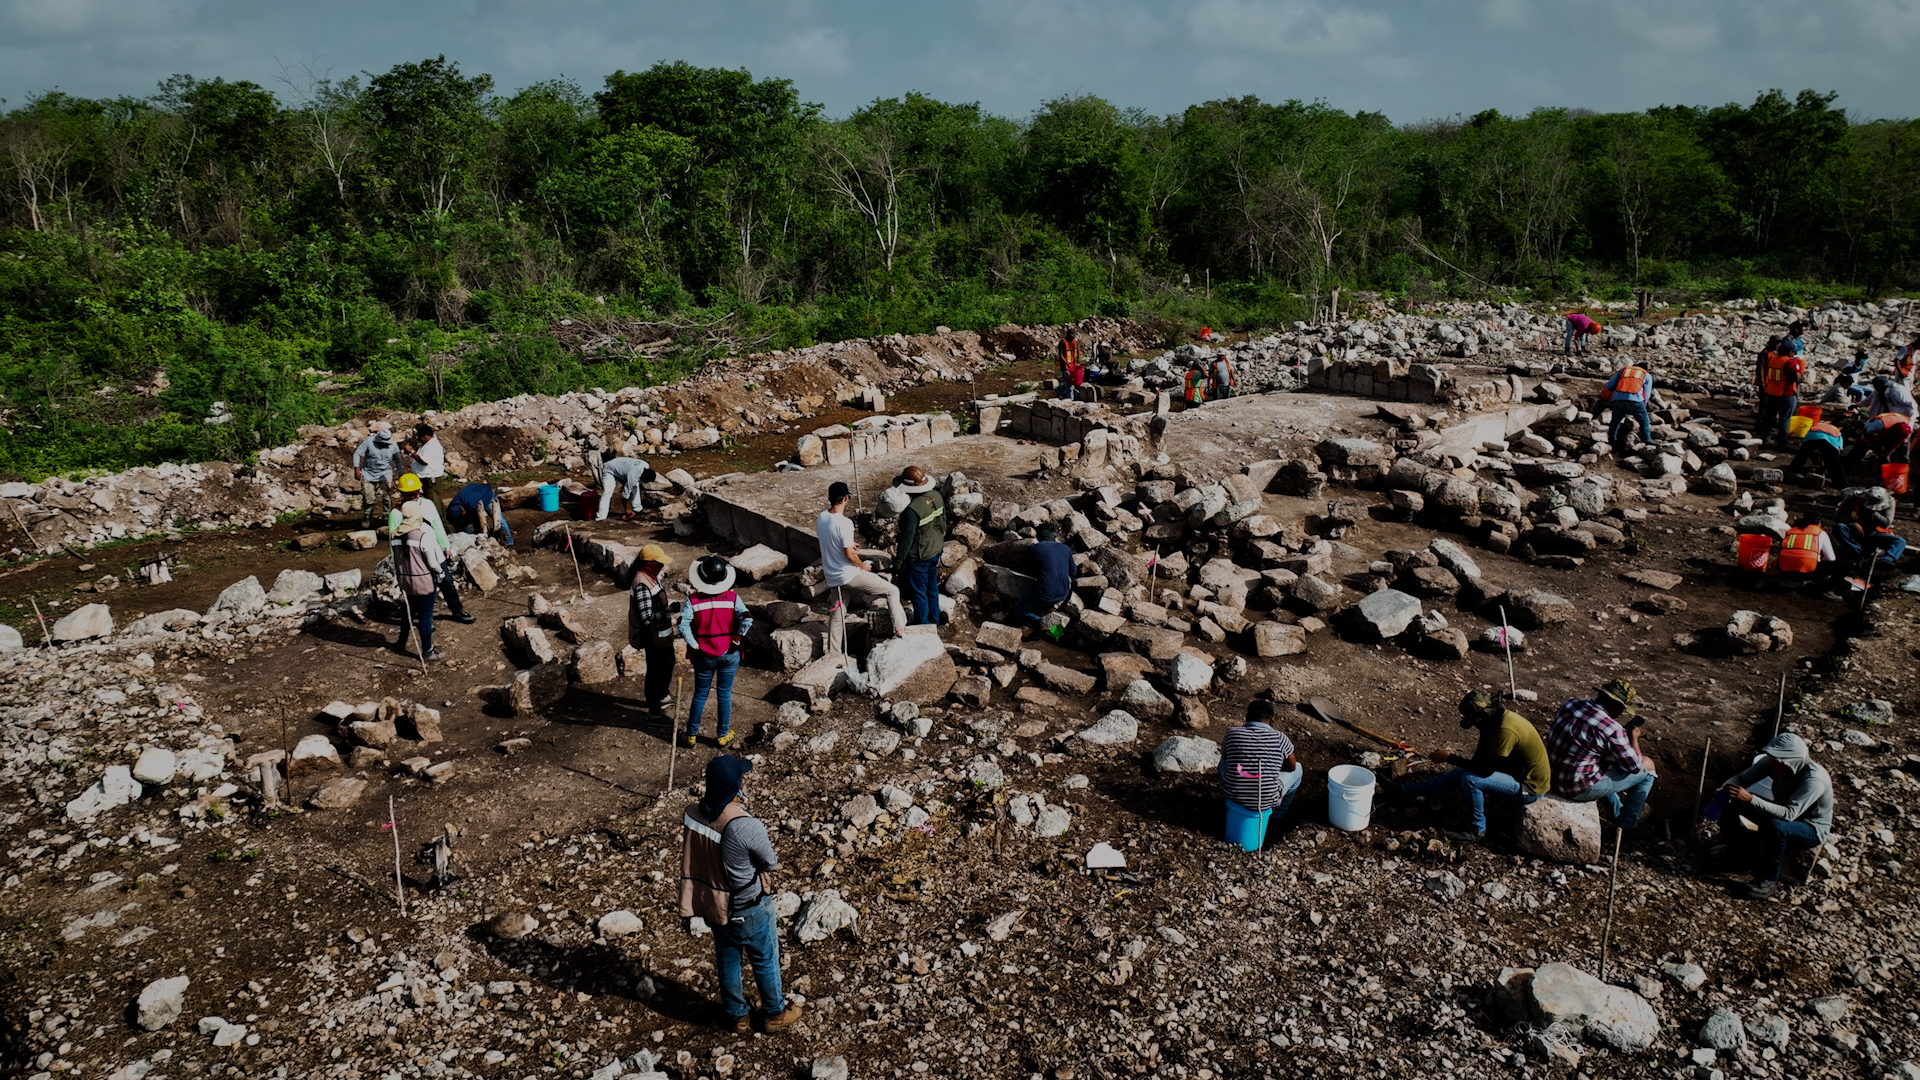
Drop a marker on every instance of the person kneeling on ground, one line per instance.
(1259, 774)
(1509, 762)
(1594, 757)
(725, 857)
(1797, 816)
(1052, 578)
(476, 509)
(1863, 527)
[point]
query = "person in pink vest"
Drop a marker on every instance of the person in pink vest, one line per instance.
(713, 622)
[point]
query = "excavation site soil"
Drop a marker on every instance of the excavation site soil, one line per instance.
(978, 943)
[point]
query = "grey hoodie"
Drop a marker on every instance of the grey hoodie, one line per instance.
(1806, 796)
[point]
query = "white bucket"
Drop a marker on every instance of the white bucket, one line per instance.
(1349, 797)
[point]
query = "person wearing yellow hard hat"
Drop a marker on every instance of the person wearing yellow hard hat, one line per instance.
(408, 495)
(650, 626)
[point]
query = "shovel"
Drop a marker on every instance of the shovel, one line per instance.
(1332, 714)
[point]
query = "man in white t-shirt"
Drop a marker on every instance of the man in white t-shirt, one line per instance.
(852, 580)
(430, 464)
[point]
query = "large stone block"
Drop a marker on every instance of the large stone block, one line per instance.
(1568, 832)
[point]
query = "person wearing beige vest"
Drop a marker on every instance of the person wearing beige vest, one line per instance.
(724, 860)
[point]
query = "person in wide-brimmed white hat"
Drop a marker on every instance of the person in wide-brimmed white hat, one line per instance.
(712, 622)
(923, 532)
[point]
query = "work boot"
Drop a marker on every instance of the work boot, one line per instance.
(740, 1025)
(1464, 836)
(783, 1019)
(691, 741)
(723, 740)
(464, 617)
(1761, 890)
(436, 656)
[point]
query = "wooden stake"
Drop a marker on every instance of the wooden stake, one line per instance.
(399, 882)
(45, 638)
(1701, 794)
(1780, 708)
(673, 737)
(286, 753)
(1513, 687)
(1613, 881)
(578, 581)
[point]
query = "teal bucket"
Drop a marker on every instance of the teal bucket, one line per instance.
(550, 497)
(1246, 828)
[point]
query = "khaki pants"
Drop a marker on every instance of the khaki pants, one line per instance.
(861, 589)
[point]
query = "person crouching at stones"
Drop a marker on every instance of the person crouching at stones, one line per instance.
(712, 623)
(1595, 757)
(725, 857)
(1509, 763)
(1259, 775)
(1796, 814)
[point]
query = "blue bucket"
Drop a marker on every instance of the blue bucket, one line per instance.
(550, 497)
(1246, 828)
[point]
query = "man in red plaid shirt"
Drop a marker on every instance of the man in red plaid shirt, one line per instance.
(1595, 757)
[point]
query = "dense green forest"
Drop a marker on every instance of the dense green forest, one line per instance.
(408, 238)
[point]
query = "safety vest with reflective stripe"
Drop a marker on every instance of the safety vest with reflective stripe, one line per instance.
(713, 622)
(1780, 378)
(1632, 380)
(1824, 430)
(1893, 425)
(1196, 387)
(1800, 551)
(1069, 351)
(703, 874)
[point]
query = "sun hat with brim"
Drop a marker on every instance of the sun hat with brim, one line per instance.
(655, 553)
(917, 489)
(410, 519)
(711, 575)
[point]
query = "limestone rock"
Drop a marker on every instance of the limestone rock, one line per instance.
(1117, 728)
(1141, 699)
(154, 766)
(759, 562)
(1552, 828)
(595, 662)
(1278, 639)
(294, 587)
(1724, 1031)
(312, 754)
(1180, 753)
(242, 598)
(115, 788)
(160, 1002)
(1385, 614)
(85, 623)
(10, 639)
(1190, 674)
(338, 793)
(512, 925)
(619, 924)
(823, 914)
(914, 667)
(535, 688)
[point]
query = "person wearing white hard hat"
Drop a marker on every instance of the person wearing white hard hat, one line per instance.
(713, 622)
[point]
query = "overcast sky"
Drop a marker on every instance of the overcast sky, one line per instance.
(1414, 60)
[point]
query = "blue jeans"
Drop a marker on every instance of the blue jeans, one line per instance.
(1475, 788)
(1625, 410)
(420, 614)
(1625, 794)
(1847, 538)
(1774, 414)
(755, 933)
(705, 667)
(450, 591)
(1032, 607)
(1776, 836)
(923, 590)
(1573, 336)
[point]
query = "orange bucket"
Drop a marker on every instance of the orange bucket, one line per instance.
(1754, 550)
(1811, 412)
(1893, 477)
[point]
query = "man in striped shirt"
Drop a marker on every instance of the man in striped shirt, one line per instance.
(1595, 757)
(1258, 769)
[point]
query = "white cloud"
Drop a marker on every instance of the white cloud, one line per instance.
(815, 49)
(1288, 26)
